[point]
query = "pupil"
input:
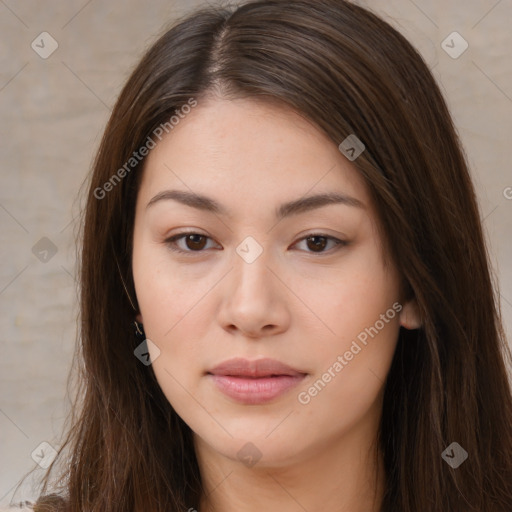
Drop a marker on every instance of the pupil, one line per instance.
(190, 238)
(317, 245)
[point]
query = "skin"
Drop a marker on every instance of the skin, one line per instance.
(293, 303)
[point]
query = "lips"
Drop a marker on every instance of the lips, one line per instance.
(254, 382)
(258, 368)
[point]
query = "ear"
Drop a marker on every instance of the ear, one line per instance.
(138, 317)
(409, 316)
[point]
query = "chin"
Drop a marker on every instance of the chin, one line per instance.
(257, 450)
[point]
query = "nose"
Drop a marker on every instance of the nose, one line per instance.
(255, 302)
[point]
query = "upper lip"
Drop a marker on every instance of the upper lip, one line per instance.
(258, 368)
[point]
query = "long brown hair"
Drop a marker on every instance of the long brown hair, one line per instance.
(349, 72)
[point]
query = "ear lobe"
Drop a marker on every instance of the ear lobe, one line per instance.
(409, 316)
(138, 317)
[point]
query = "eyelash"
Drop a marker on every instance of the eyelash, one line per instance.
(171, 242)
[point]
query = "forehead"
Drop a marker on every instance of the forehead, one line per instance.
(250, 151)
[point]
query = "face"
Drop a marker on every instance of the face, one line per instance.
(257, 271)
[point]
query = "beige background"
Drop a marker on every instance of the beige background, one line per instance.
(53, 113)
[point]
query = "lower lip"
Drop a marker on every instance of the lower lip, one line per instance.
(252, 391)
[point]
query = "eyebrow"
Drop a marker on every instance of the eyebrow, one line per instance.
(294, 207)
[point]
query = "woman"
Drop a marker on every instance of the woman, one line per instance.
(286, 300)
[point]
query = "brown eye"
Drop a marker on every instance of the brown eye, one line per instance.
(193, 242)
(316, 243)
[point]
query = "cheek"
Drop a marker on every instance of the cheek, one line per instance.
(175, 318)
(166, 293)
(353, 297)
(352, 369)
(359, 310)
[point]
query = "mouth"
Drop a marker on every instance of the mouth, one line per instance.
(254, 382)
